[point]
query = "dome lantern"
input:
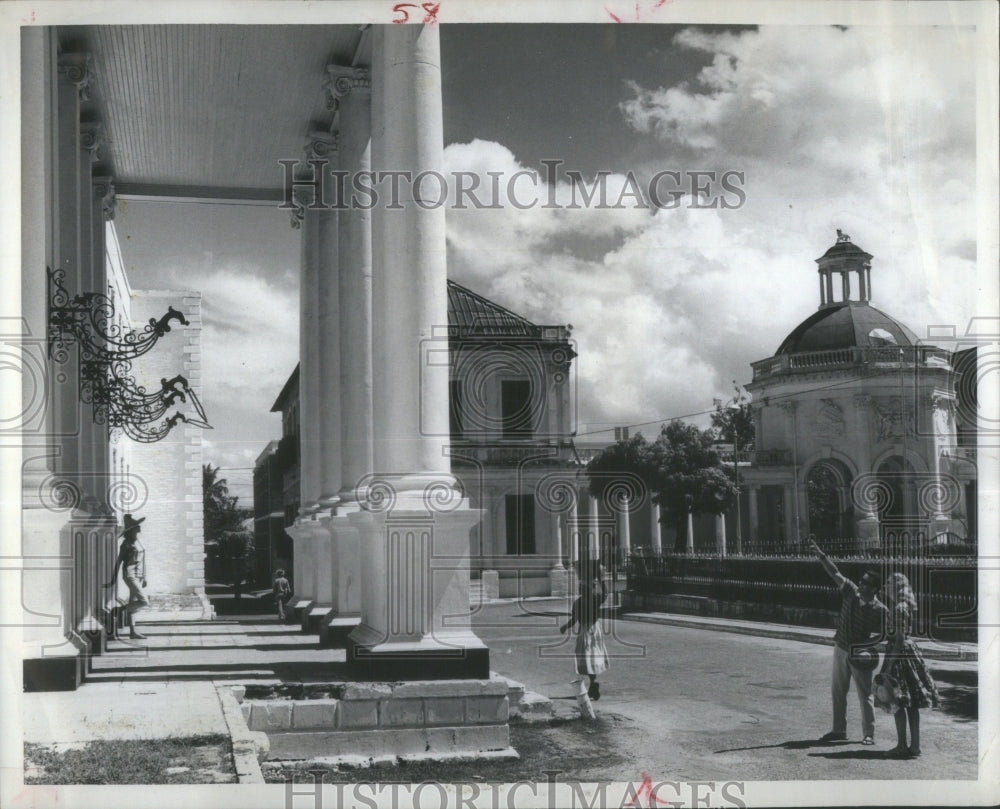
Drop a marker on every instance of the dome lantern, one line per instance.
(844, 257)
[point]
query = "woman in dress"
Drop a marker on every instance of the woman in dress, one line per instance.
(905, 664)
(591, 654)
(132, 556)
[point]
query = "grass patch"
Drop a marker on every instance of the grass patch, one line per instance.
(192, 760)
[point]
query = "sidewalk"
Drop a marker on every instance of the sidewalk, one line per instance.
(161, 692)
(932, 650)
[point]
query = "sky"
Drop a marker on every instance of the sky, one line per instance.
(870, 130)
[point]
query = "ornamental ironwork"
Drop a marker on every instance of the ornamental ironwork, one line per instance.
(107, 348)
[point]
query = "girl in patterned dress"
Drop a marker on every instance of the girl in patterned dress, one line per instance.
(590, 652)
(905, 664)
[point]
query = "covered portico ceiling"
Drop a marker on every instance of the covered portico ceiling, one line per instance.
(205, 112)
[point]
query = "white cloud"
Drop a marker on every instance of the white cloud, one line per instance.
(868, 130)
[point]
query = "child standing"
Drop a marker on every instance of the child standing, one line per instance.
(590, 652)
(904, 663)
(282, 591)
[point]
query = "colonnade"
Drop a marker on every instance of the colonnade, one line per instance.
(382, 540)
(68, 529)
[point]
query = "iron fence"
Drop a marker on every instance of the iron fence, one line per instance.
(793, 579)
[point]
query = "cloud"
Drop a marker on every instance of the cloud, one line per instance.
(249, 346)
(870, 130)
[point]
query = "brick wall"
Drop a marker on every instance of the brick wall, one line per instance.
(173, 533)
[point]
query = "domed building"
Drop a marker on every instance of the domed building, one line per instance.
(855, 425)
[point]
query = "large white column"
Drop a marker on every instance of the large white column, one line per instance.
(306, 218)
(73, 79)
(415, 531)
(754, 517)
(351, 89)
(624, 530)
(41, 610)
(328, 326)
(654, 528)
(349, 94)
(720, 534)
(309, 445)
(410, 297)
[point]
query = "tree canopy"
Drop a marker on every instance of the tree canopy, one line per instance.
(680, 468)
(733, 422)
(222, 524)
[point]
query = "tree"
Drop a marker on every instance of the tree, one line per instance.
(222, 518)
(733, 422)
(630, 455)
(681, 469)
(688, 475)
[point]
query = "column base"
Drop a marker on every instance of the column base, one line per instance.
(62, 670)
(335, 629)
(313, 617)
(464, 658)
(300, 606)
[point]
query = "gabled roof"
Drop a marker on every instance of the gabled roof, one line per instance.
(469, 313)
(291, 384)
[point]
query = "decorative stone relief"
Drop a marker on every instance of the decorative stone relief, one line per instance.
(829, 420)
(890, 420)
(76, 69)
(344, 80)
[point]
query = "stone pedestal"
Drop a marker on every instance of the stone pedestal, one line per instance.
(490, 584)
(311, 537)
(559, 582)
(345, 615)
(53, 654)
(868, 532)
(415, 593)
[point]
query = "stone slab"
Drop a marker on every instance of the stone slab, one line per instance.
(386, 741)
(314, 714)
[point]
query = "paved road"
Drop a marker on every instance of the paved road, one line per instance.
(678, 702)
(692, 703)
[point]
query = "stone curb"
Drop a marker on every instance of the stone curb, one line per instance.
(248, 747)
(824, 637)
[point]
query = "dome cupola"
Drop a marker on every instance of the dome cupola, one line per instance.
(844, 258)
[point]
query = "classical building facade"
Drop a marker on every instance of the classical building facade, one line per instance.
(510, 431)
(855, 424)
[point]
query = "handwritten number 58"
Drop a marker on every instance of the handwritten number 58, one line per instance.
(430, 12)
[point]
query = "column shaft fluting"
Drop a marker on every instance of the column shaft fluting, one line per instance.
(355, 291)
(309, 361)
(410, 303)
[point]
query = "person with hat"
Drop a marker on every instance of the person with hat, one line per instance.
(860, 625)
(132, 558)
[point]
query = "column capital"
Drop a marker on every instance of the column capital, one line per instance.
(789, 406)
(343, 81)
(104, 190)
(92, 138)
(76, 69)
(320, 145)
(862, 401)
